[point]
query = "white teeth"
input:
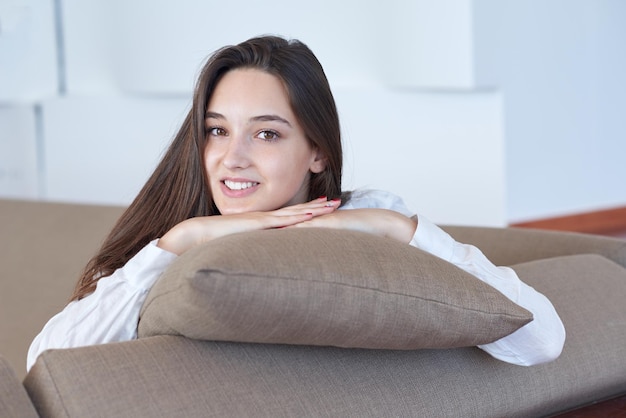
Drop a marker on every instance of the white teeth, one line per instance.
(234, 185)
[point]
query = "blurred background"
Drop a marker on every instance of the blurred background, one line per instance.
(483, 112)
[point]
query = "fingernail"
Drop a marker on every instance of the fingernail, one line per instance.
(322, 197)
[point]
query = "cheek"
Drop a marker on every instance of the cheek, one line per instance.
(210, 173)
(292, 165)
(210, 159)
(296, 171)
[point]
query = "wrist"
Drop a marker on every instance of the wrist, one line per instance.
(402, 228)
(178, 239)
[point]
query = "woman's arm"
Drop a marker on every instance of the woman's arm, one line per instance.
(539, 341)
(111, 312)
(195, 231)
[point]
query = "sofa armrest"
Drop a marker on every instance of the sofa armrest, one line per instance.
(508, 246)
(14, 401)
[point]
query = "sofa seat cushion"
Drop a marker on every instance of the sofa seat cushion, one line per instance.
(325, 287)
(176, 376)
(14, 401)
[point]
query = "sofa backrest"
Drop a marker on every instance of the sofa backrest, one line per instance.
(507, 246)
(44, 247)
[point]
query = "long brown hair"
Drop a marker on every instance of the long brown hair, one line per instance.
(178, 188)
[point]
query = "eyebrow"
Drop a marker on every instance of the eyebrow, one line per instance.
(261, 118)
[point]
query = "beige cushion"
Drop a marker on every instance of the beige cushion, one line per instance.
(167, 376)
(325, 287)
(14, 401)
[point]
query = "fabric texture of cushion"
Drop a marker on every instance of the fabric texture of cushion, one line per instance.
(14, 401)
(325, 287)
(166, 376)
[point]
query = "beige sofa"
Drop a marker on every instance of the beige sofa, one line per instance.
(44, 246)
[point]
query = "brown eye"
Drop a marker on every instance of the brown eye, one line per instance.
(216, 131)
(268, 135)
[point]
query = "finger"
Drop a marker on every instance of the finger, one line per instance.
(322, 200)
(288, 220)
(316, 208)
(315, 222)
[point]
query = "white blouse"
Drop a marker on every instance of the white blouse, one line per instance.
(111, 312)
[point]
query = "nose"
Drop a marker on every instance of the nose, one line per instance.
(237, 152)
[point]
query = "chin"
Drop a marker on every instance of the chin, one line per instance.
(232, 211)
(236, 209)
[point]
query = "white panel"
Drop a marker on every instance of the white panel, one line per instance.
(158, 46)
(428, 44)
(103, 150)
(443, 153)
(28, 66)
(88, 33)
(18, 153)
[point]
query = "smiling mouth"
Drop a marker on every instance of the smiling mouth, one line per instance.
(237, 185)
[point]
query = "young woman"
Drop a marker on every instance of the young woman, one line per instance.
(261, 149)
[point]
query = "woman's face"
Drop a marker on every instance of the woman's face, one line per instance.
(257, 157)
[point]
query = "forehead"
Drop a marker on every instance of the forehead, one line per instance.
(248, 87)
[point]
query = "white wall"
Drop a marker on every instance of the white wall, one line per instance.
(442, 152)
(28, 72)
(28, 53)
(444, 102)
(101, 150)
(19, 162)
(561, 67)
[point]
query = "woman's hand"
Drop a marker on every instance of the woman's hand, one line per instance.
(195, 231)
(383, 222)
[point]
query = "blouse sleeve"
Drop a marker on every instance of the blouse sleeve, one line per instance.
(539, 341)
(111, 312)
